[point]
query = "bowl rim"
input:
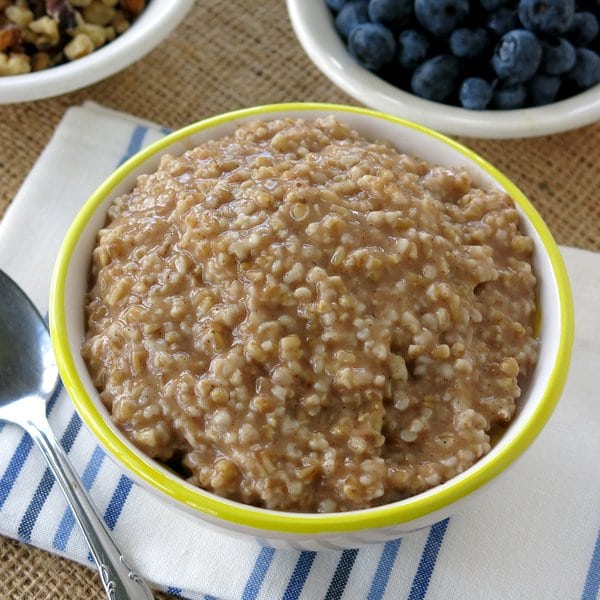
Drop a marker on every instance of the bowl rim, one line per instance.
(302, 523)
(313, 25)
(156, 22)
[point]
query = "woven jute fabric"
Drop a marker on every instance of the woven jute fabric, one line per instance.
(233, 54)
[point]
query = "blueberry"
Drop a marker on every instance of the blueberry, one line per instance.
(492, 5)
(547, 16)
(412, 48)
(542, 89)
(475, 93)
(468, 43)
(558, 56)
(336, 5)
(437, 78)
(351, 15)
(507, 97)
(502, 21)
(389, 12)
(372, 45)
(440, 17)
(517, 56)
(586, 72)
(584, 28)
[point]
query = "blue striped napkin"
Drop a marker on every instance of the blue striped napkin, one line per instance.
(533, 534)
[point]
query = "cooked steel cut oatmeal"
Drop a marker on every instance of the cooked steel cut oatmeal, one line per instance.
(299, 318)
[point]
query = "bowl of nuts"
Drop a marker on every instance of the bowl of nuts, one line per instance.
(51, 47)
(488, 68)
(314, 324)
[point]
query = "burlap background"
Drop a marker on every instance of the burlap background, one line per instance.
(231, 54)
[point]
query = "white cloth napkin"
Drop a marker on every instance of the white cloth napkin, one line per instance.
(532, 534)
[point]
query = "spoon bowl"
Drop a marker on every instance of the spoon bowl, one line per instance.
(28, 376)
(21, 371)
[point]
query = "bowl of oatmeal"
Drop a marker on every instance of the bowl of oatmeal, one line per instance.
(54, 47)
(316, 324)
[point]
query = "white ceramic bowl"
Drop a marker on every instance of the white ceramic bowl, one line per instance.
(314, 27)
(312, 531)
(157, 21)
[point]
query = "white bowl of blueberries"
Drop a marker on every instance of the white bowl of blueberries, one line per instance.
(479, 68)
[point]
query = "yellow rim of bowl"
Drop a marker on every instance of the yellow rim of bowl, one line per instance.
(299, 523)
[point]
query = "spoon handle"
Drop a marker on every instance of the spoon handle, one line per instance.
(119, 580)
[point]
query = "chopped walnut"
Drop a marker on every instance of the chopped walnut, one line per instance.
(10, 35)
(135, 7)
(98, 13)
(80, 45)
(47, 30)
(40, 61)
(120, 22)
(19, 15)
(96, 33)
(14, 64)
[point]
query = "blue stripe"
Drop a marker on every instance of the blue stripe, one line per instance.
(340, 577)
(135, 143)
(21, 453)
(70, 434)
(592, 581)
(14, 467)
(119, 497)
(209, 597)
(175, 591)
(115, 506)
(47, 482)
(261, 566)
(35, 506)
(166, 131)
(63, 533)
(55, 395)
(301, 571)
(61, 537)
(384, 568)
(428, 560)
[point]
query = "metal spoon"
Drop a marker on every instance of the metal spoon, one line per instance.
(28, 376)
